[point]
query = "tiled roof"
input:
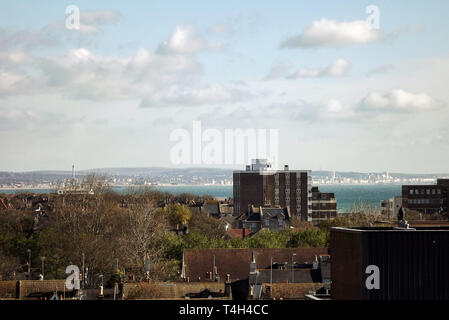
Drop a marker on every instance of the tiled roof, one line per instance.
(238, 233)
(236, 261)
(306, 275)
(211, 208)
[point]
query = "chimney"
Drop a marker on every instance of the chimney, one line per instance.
(315, 263)
(286, 167)
(252, 265)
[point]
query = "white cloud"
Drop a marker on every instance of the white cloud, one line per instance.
(336, 69)
(330, 33)
(184, 40)
(56, 33)
(187, 96)
(99, 17)
(397, 100)
(169, 76)
(386, 68)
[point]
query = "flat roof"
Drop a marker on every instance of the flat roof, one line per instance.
(391, 229)
(269, 172)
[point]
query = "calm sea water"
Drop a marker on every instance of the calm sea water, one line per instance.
(346, 195)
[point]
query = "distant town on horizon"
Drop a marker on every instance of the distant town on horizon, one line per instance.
(147, 176)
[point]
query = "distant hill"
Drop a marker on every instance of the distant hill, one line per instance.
(140, 175)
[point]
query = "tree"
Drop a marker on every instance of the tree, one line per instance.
(145, 224)
(8, 266)
(211, 227)
(178, 215)
(312, 237)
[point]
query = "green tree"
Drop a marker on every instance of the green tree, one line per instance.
(312, 237)
(178, 214)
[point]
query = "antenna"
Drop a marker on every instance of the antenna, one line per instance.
(73, 171)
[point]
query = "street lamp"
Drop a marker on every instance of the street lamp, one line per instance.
(293, 274)
(43, 274)
(29, 262)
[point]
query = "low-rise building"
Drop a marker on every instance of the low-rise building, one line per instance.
(390, 207)
(324, 205)
(273, 218)
(239, 266)
(427, 199)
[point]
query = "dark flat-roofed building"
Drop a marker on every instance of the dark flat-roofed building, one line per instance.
(390, 263)
(427, 199)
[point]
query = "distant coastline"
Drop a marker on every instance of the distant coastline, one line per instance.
(205, 185)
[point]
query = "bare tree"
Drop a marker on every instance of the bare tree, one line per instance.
(145, 223)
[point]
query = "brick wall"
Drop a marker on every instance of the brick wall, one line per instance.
(166, 290)
(23, 288)
(8, 289)
(292, 290)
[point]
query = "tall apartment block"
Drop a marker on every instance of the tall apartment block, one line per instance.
(427, 199)
(258, 185)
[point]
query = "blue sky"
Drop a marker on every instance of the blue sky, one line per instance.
(343, 96)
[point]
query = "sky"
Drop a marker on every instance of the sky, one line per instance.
(346, 90)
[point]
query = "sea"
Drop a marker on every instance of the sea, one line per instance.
(346, 195)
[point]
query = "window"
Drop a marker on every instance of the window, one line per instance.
(428, 191)
(439, 191)
(267, 223)
(433, 191)
(411, 191)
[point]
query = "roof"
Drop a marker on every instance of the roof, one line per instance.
(255, 216)
(238, 233)
(274, 213)
(236, 262)
(229, 219)
(226, 208)
(306, 275)
(431, 228)
(211, 208)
